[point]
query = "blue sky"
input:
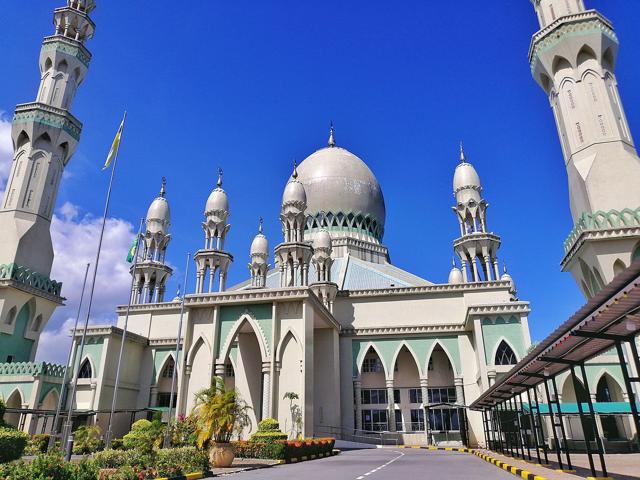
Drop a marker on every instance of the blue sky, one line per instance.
(252, 85)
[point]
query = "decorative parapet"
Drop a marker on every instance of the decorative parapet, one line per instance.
(33, 369)
(404, 330)
(60, 43)
(47, 115)
(578, 23)
(30, 278)
(601, 220)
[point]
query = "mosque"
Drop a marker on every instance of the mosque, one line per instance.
(364, 345)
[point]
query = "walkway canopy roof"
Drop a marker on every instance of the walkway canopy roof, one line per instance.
(612, 315)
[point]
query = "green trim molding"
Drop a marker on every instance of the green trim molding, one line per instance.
(30, 278)
(601, 220)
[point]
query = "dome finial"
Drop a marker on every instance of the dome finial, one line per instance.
(163, 188)
(295, 170)
(220, 177)
(453, 262)
(504, 267)
(332, 142)
(260, 226)
(462, 157)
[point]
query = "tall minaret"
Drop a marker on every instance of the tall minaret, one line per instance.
(45, 135)
(213, 260)
(476, 246)
(151, 271)
(573, 57)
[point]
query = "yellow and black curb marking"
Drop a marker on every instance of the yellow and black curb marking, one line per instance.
(310, 457)
(189, 476)
(506, 467)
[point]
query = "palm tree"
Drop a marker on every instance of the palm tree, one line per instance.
(219, 413)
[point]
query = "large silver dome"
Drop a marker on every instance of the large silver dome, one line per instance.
(343, 194)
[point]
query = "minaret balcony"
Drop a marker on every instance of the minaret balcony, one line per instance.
(73, 23)
(47, 115)
(569, 24)
(477, 237)
(69, 46)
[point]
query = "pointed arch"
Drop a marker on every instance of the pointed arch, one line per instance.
(585, 54)
(608, 59)
(280, 349)
(195, 346)
(612, 384)
(500, 350)
(37, 323)
(23, 139)
(50, 399)
(560, 63)
(618, 267)
(163, 365)
(372, 346)
(11, 315)
(14, 400)
(436, 344)
(233, 333)
(86, 368)
(394, 359)
(636, 253)
(568, 392)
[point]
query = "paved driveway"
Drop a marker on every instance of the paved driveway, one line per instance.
(387, 463)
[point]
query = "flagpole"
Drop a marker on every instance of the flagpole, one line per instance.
(109, 434)
(70, 361)
(167, 436)
(93, 287)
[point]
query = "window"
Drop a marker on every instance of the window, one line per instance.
(442, 395)
(444, 419)
(415, 395)
(505, 355)
(375, 420)
(11, 358)
(163, 399)
(399, 424)
(11, 316)
(430, 367)
(228, 370)
(85, 369)
(396, 396)
(417, 420)
(372, 365)
(374, 396)
(167, 371)
(37, 323)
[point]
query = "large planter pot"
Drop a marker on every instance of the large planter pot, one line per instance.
(221, 455)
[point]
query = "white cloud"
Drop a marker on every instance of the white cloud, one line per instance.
(75, 240)
(6, 150)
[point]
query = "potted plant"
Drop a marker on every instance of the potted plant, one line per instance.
(219, 413)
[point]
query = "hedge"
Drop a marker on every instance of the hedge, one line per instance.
(12, 444)
(284, 450)
(167, 462)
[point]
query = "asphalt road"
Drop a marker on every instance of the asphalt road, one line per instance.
(382, 464)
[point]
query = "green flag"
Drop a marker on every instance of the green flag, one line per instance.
(132, 251)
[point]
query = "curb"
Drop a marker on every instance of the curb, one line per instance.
(311, 457)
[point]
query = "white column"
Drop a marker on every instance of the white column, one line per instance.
(491, 373)
(357, 392)
(424, 387)
(391, 404)
(153, 400)
(459, 383)
(266, 389)
(487, 264)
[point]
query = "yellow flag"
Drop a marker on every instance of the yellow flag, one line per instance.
(114, 147)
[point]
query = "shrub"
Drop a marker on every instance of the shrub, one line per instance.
(86, 470)
(183, 431)
(119, 458)
(87, 439)
(117, 444)
(268, 432)
(12, 444)
(3, 408)
(172, 462)
(271, 451)
(308, 447)
(37, 444)
(145, 436)
(52, 465)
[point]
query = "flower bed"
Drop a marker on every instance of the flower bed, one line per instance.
(285, 450)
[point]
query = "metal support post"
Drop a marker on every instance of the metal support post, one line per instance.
(583, 421)
(592, 414)
(627, 382)
(561, 422)
(554, 431)
(535, 424)
(525, 435)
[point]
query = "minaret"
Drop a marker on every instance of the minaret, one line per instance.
(476, 247)
(45, 135)
(151, 271)
(573, 57)
(259, 254)
(322, 286)
(293, 255)
(212, 261)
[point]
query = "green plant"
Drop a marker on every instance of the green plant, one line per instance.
(117, 444)
(173, 462)
(51, 466)
(87, 439)
(296, 415)
(219, 413)
(145, 436)
(119, 458)
(37, 444)
(268, 432)
(86, 470)
(271, 450)
(3, 408)
(183, 431)
(12, 444)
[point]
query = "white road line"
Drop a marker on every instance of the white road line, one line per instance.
(401, 454)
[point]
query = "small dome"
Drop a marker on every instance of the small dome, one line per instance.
(455, 276)
(260, 244)
(294, 192)
(322, 240)
(159, 215)
(218, 199)
(464, 177)
(507, 278)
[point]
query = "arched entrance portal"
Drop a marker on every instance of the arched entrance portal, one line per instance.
(14, 401)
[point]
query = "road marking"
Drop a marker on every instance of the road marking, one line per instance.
(361, 477)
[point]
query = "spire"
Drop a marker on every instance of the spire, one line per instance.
(462, 156)
(220, 177)
(295, 170)
(453, 262)
(332, 142)
(163, 188)
(260, 226)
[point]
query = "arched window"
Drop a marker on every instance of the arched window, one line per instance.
(85, 369)
(11, 316)
(167, 372)
(603, 393)
(505, 355)
(618, 267)
(37, 323)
